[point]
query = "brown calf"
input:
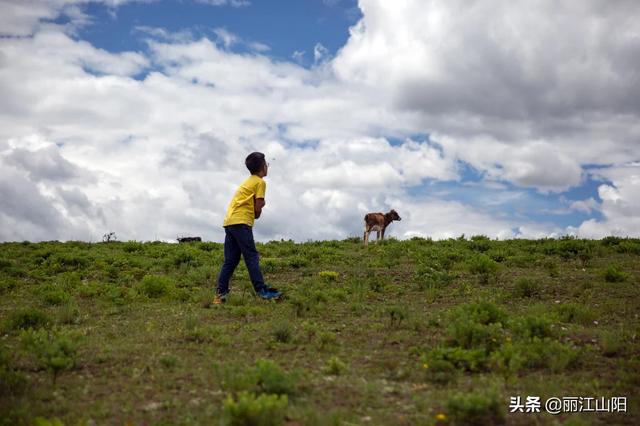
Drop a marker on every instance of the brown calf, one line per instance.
(378, 222)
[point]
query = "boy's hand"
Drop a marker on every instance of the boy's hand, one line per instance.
(257, 206)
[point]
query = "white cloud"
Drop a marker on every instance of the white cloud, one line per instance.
(585, 206)
(534, 91)
(620, 204)
(320, 53)
(227, 38)
(233, 3)
(97, 150)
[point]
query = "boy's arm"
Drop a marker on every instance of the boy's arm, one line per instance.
(257, 206)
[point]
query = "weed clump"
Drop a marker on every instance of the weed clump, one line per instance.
(168, 361)
(335, 367)
(249, 409)
(526, 287)
(55, 351)
(266, 377)
(26, 318)
(531, 326)
(283, 332)
(574, 313)
(55, 296)
(12, 382)
(484, 267)
(328, 276)
(476, 408)
(396, 314)
(69, 314)
(156, 286)
(613, 274)
(536, 354)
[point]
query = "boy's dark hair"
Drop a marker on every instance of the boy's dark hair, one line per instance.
(254, 162)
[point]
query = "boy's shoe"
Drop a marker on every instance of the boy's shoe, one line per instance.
(269, 294)
(220, 299)
(271, 289)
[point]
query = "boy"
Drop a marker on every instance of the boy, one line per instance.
(245, 206)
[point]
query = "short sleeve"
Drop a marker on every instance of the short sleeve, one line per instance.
(261, 188)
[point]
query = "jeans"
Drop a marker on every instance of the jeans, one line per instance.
(239, 241)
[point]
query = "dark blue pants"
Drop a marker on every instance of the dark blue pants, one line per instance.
(239, 241)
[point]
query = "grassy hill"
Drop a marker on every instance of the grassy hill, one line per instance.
(398, 333)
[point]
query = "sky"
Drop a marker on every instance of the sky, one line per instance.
(504, 118)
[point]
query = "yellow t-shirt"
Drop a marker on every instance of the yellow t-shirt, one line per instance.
(241, 208)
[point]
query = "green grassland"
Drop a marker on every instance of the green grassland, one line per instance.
(397, 333)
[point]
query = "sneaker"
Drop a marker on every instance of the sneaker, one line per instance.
(220, 299)
(267, 294)
(271, 289)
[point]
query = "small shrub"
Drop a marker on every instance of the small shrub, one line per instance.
(266, 377)
(328, 276)
(498, 255)
(480, 243)
(396, 315)
(283, 332)
(54, 351)
(133, 247)
(376, 283)
(533, 326)
(55, 296)
(326, 338)
(526, 287)
(438, 370)
(272, 379)
(301, 305)
(185, 258)
(169, 361)
(481, 407)
(6, 285)
(155, 286)
(614, 274)
(311, 329)
(69, 314)
(628, 247)
(251, 410)
(574, 313)
(335, 367)
(208, 246)
(12, 382)
(472, 360)
(26, 318)
(612, 344)
(196, 332)
(536, 354)
(473, 335)
(430, 278)
(297, 262)
(484, 267)
(483, 312)
(552, 268)
(611, 241)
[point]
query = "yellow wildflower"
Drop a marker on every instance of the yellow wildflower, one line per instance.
(441, 417)
(425, 365)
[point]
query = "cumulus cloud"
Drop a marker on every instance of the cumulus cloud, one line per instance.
(89, 146)
(552, 87)
(620, 204)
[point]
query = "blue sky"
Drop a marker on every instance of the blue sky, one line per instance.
(483, 119)
(284, 26)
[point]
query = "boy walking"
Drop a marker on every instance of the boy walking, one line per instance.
(245, 206)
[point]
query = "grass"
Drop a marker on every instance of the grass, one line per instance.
(400, 332)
